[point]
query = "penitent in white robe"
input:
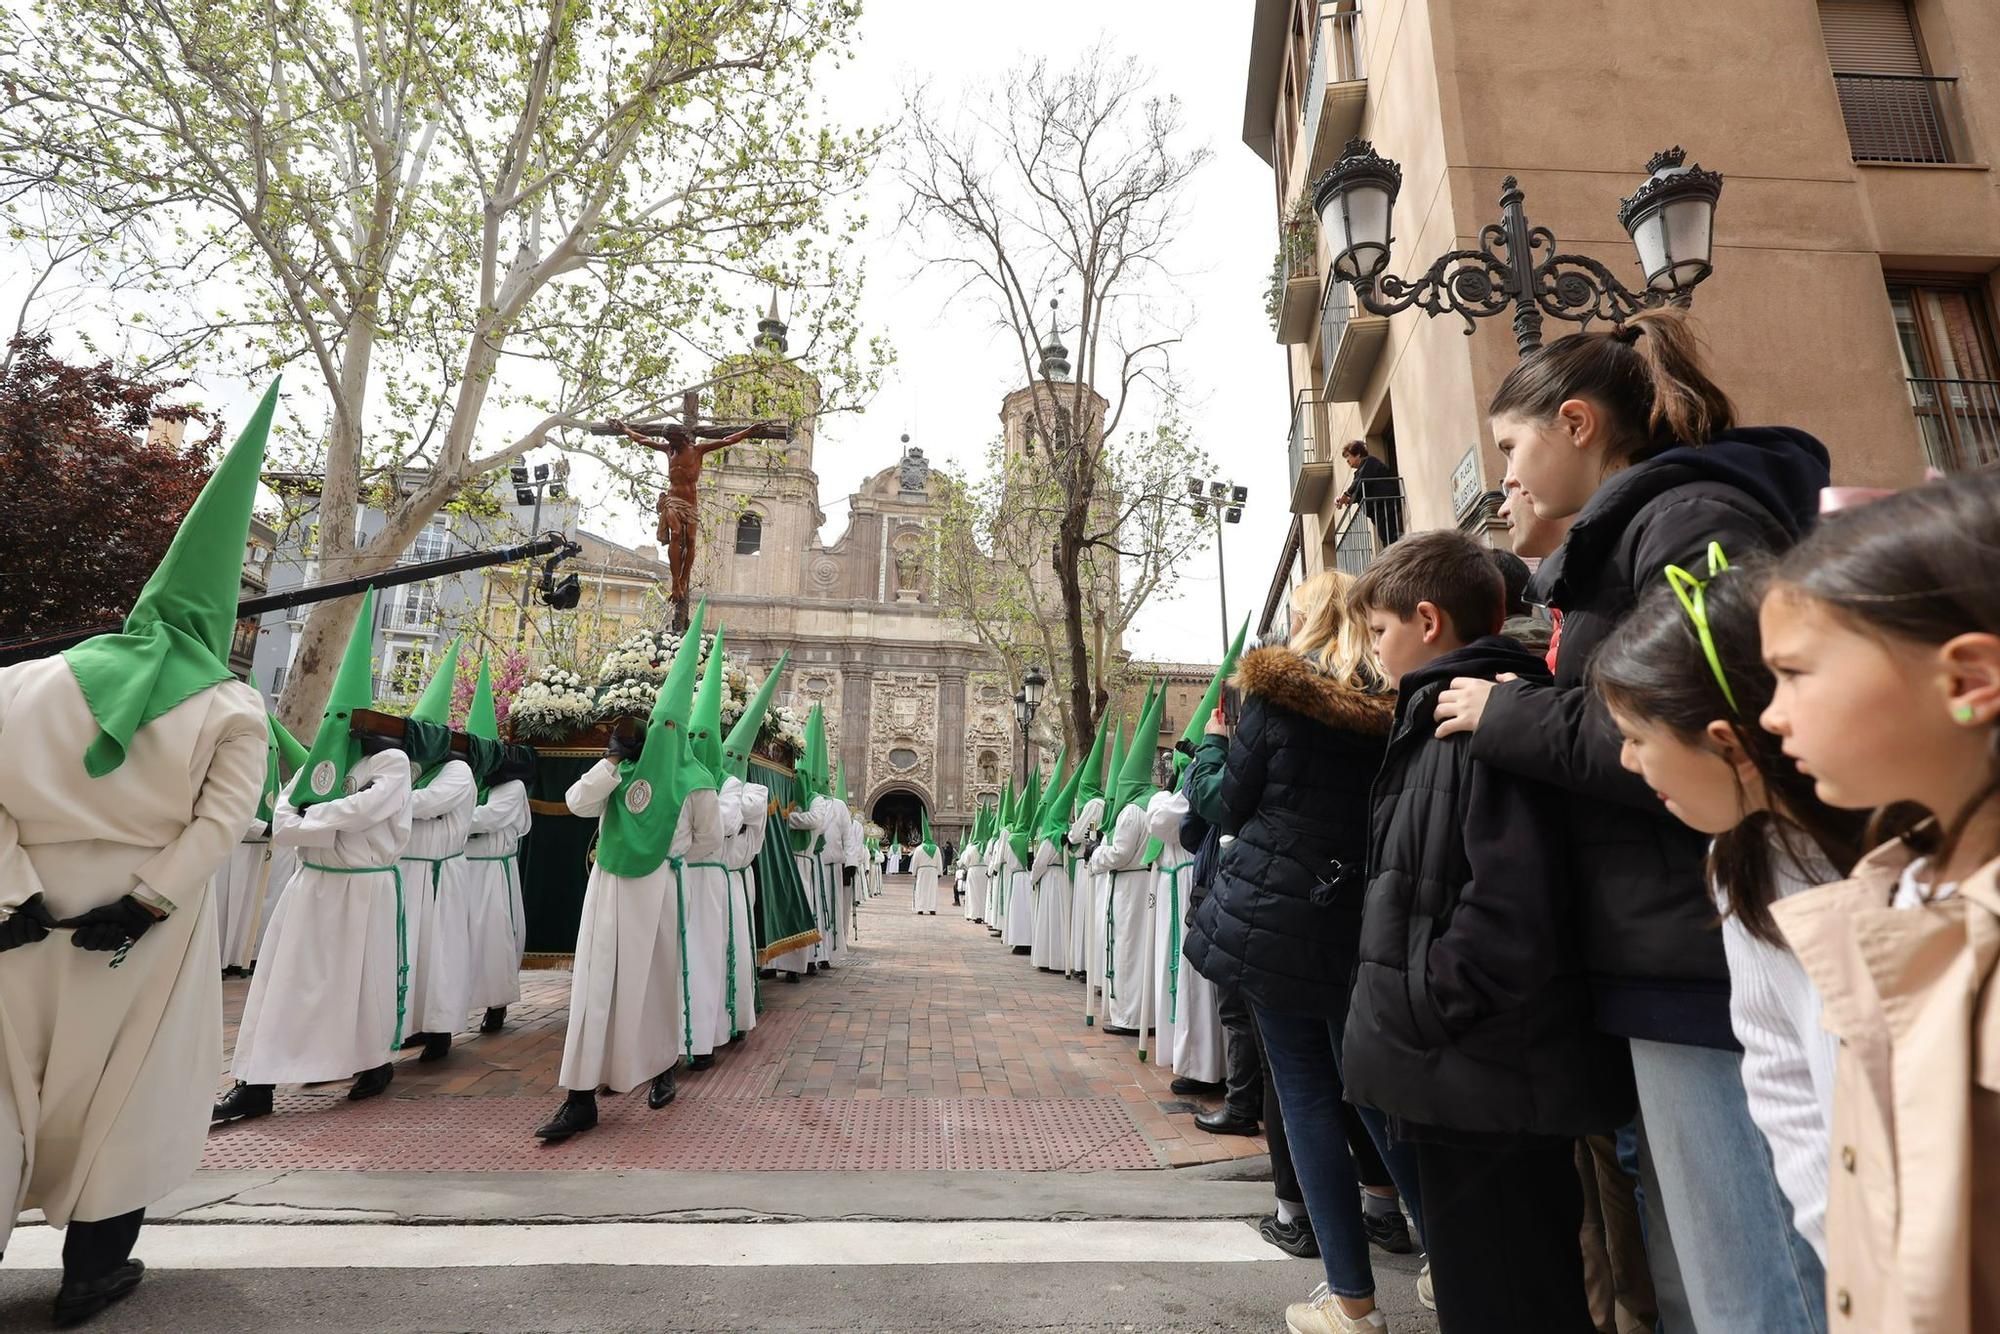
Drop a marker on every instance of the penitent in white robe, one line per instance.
(809, 821)
(625, 1011)
(493, 893)
(240, 890)
(107, 1074)
(924, 894)
(750, 803)
(331, 997)
(996, 883)
(972, 874)
(1130, 897)
(436, 880)
(1050, 877)
(1086, 912)
(704, 914)
(1185, 1002)
(1017, 929)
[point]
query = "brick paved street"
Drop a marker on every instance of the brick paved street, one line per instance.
(932, 1047)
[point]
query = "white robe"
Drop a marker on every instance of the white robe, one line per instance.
(1186, 1003)
(437, 880)
(972, 875)
(107, 1074)
(751, 804)
(1018, 927)
(814, 821)
(996, 883)
(332, 994)
(704, 911)
(240, 890)
(1050, 877)
(924, 895)
(1085, 909)
(493, 892)
(1130, 897)
(625, 1012)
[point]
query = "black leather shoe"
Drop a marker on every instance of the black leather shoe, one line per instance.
(701, 1062)
(661, 1093)
(245, 1102)
(1225, 1122)
(1388, 1231)
(414, 1040)
(1194, 1088)
(437, 1046)
(80, 1299)
(1117, 1032)
(495, 1018)
(575, 1116)
(371, 1082)
(1293, 1238)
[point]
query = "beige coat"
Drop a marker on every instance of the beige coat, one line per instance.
(107, 1074)
(1913, 1207)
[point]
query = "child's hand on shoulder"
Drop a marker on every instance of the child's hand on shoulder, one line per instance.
(1462, 704)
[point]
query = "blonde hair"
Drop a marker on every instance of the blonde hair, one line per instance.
(1328, 636)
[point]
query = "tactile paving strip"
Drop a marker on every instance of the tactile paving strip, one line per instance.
(388, 1134)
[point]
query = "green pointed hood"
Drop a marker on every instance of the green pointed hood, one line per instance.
(1005, 815)
(930, 844)
(1197, 725)
(1058, 779)
(1090, 777)
(637, 828)
(843, 794)
(175, 640)
(291, 751)
(1114, 760)
(742, 738)
(283, 756)
(1135, 779)
(1061, 807)
(434, 705)
(803, 771)
(1021, 833)
(706, 725)
(483, 717)
(334, 749)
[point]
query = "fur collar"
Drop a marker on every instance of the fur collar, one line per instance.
(1281, 677)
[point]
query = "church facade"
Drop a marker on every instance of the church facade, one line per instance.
(917, 708)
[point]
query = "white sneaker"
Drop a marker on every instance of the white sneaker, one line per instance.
(1321, 1314)
(1425, 1292)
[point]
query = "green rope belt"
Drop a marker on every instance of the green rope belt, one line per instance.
(402, 935)
(437, 867)
(729, 924)
(681, 930)
(1173, 874)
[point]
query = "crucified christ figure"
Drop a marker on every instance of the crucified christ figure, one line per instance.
(678, 510)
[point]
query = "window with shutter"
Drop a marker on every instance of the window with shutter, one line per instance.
(1895, 109)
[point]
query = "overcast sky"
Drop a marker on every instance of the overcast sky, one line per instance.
(953, 365)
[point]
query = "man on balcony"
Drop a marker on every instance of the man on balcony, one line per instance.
(1378, 490)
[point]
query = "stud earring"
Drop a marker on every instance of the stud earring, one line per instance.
(1963, 713)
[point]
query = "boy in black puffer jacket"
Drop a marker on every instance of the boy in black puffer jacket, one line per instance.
(1471, 1023)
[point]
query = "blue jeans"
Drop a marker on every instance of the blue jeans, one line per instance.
(1743, 1265)
(1303, 1052)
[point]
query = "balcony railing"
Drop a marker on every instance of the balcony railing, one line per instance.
(1295, 279)
(1334, 310)
(1331, 115)
(1374, 520)
(1899, 117)
(1959, 421)
(1305, 444)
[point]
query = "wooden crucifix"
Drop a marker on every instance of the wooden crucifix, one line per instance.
(686, 443)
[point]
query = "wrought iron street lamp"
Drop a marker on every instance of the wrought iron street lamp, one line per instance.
(1671, 219)
(1027, 700)
(1226, 501)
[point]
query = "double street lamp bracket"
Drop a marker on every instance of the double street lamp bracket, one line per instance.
(1670, 218)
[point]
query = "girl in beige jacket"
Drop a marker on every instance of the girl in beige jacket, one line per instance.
(1883, 630)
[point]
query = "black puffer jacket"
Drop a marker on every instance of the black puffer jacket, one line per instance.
(1471, 1010)
(1651, 939)
(1282, 923)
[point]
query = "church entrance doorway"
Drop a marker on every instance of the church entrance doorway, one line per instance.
(899, 813)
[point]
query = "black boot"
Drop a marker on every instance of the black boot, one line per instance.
(371, 1082)
(791, 977)
(701, 1062)
(414, 1040)
(662, 1091)
(245, 1102)
(495, 1018)
(437, 1046)
(1195, 1088)
(577, 1114)
(80, 1299)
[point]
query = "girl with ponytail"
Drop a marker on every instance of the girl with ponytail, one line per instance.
(1625, 434)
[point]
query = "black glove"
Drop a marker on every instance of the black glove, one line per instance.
(847, 875)
(112, 926)
(26, 924)
(625, 745)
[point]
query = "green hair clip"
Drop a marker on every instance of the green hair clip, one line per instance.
(1693, 601)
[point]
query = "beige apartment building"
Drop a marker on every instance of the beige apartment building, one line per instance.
(1856, 239)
